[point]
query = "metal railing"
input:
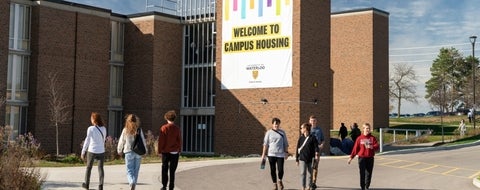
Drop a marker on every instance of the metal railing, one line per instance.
(406, 132)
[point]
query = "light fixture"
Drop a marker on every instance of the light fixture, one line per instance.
(264, 101)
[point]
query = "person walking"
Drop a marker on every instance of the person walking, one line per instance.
(318, 133)
(365, 147)
(307, 150)
(94, 148)
(342, 133)
(275, 147)
(355, 132)
(462, 128)
(169, 148)
(125, 145)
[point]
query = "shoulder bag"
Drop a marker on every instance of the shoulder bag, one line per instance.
(138, 146)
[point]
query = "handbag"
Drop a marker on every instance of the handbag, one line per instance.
(138, 146)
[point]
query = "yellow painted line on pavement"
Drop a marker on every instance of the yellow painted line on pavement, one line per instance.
(408, 165)
(392, 162)
(427, 168)
(449, 171)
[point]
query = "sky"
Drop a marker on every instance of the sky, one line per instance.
(418, 29)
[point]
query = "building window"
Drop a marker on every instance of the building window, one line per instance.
(17, 71)
(16, 117)
(199, 66)
(115, 119)
(115, 116)
(17, 77)
(19, 37)
(116, 85)
(116, 53)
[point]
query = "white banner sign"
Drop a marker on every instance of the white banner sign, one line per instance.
(256, 44)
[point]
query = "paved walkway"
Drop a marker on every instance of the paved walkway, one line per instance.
(225, 171)
(71, 178)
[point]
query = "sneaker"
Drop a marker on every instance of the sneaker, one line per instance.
(163, 188)
(280, 185)
(313, 186)
(84, 185)
(275, 186)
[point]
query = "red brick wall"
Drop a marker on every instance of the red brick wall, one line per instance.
(153, 77)
(359, 46)
(76, 46)
(381, 67)
(4, 22)
(241, 119)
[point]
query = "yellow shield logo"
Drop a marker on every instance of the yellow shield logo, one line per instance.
(255, 74)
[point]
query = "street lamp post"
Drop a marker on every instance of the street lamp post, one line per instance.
(472, 40)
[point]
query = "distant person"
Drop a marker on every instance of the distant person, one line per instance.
(365, 148)
(355, 132)
(462, 128)
(318, 133)
(342, 133)
(470, 114)
(307, 151)
(169, 148)
(125, 145)
(94, 149)
(275, 147)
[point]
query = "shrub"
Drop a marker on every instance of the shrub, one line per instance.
(17, 163)
(71, 159)
(151, 143)
(111, 148)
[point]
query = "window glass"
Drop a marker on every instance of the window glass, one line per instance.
(115, 123)
(19, 31)
(117, 41)
(15, 117)
(17, 77)
(116, 85)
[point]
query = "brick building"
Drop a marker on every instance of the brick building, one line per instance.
(148, 63)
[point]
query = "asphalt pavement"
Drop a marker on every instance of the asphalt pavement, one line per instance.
(245, 173)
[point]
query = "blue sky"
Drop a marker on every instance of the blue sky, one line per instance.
(418, 29)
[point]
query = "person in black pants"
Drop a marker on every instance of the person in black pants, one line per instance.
(169, 147)
(365, 147)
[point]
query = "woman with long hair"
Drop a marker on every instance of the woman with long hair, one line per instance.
(125, 145)
(94, 148)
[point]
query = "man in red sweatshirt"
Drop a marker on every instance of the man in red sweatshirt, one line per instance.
(365, 147)
(169, 147)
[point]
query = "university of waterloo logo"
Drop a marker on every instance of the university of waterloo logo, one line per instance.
(255, 74)
(255, 68)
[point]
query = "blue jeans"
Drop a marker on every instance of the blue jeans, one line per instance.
(132, 161)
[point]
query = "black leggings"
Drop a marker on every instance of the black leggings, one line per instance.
(274, 163)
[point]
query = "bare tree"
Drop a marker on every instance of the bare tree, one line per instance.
(402, 85)
(58, 106)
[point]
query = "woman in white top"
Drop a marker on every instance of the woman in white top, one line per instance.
(94, 148)
(125, 144)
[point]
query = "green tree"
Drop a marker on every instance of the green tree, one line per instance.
(402, 85)
(448, 87)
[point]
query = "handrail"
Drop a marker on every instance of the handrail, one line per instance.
(418, 133)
